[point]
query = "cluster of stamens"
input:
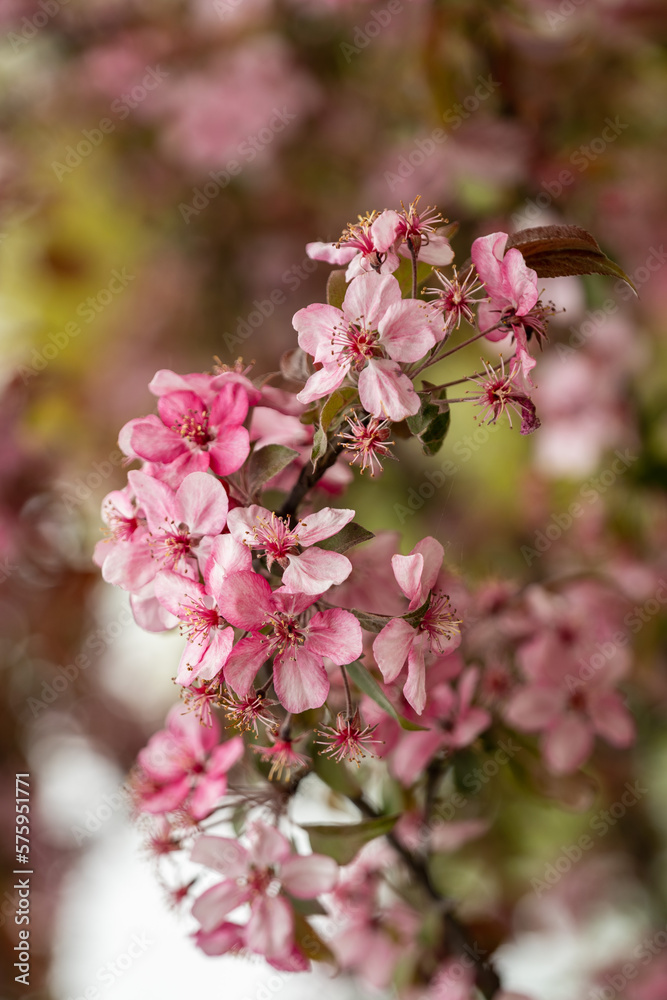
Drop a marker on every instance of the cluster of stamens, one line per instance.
(440, 623)
(245, 713)
(173, 545)
(347, 740)
(355, 343)
(457, 297)
(368, 442)
(194, 427)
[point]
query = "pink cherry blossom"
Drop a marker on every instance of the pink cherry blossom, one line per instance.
(312, 571)
(365, 341)
(185, 765)
(417, 233)
(210, 433)
(453, 722)
(258, 875)
(500, 393)
(210, 639)
(572, 665)
(512, 287)
(298, 647)
(364, 246)
(437, 632)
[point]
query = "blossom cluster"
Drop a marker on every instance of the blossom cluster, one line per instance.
(317, 642)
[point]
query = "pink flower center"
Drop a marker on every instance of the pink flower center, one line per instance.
(121, 528)
(287, 633)
(356, 345)
(173, 546)
(262, 881)
(439, 623)
(198, 621)
(275, 537)
(194, 428)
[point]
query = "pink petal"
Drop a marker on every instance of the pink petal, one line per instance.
(408, 572)
(229, 408)
(150, 439)
(214, 904)
(242, 522)
(227, 937)
(212, 658)
(487, 253)
(611, 718)
(323, 524)
(519, 281)
(270, 930)
(207, 795)
(149, 613)
(568, 745)
(405, 331)
(222, 854)
(156, 499)
(300, 682)
(167, 798)
(392, 646)
(315, 570)
(308, 877)
(414, 752)
(203, 503)
(385, 230)
(245, 600)
(469, 725)
(336, 634)
(414, 688)
(368, 298)
(228, 453)
(227, 556)
(129, 565)
(174, 591)
(243, 662)
(331, 253)
(315, 326)
(323, 382)
(437, 251)
(532, 708)
(433, 554)
(386, 392)
(174, 406)
(224, 756)
(269, 846)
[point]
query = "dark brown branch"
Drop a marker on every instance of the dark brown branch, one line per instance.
(308, 477)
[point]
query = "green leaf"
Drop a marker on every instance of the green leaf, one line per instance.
(343, 841)
(336, 289)
(367, 683)
(320, 442)
(266, 463)
(339, 779)
(436, 432)
(306, 907)
(558, 251)
(334, 404)
(351, 534)
(431, 423)
(370, 622)
(310, 942)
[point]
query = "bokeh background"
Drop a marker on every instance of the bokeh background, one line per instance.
(162, 165)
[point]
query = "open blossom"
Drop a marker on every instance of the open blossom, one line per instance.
(374, 331)
(416, 232)
(311, 571)
(364, 245)
(368, 442)
(456, 299)
(210, 639)
(512, 287)
(181, 527)
(500, 393)
(570, 696)
(203, 430)
(437, 632)
(185, 765)
(259, 875)
(280, 629)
